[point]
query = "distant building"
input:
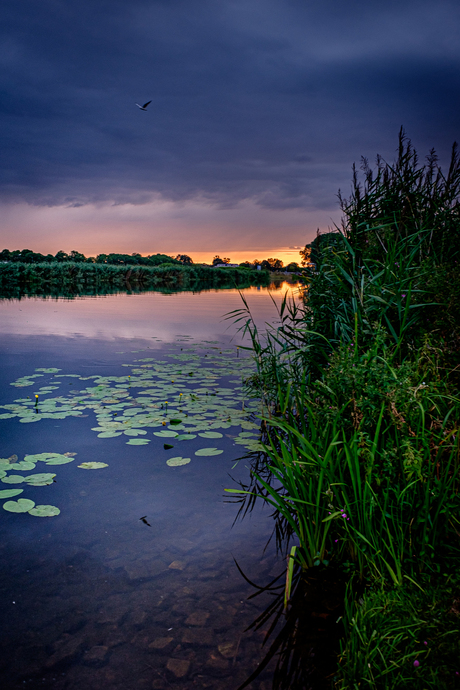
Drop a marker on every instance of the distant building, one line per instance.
(225, 265)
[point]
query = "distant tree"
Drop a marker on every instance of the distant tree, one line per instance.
(184, 259)
(305, 253)
(323, 243)
(293, 267)
(61, 256)
(246, 264)
(217, 260)
(272, 264)
(76, 256)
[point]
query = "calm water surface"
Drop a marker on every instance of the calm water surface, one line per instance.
(95, 597)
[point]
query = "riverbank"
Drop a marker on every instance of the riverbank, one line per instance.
(361, 429)
(49, 278)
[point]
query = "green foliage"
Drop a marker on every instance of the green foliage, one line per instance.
(390, 631)
(362, 421)
(76, 276)
(403, 199)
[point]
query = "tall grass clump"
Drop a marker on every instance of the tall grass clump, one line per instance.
(362, 421)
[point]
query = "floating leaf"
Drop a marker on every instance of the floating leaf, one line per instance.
(92, 465)
(134, 432)
(22, 505)
(109, 434)
(211, 434)
(23, 465)
(8, 493)
(44, 511)
(176, 421)
(208, 451)
(2, 473)
(63, 460)
(186, 437)
(13, 479)
(167, 446)
(138, 442)
(41, 479)
(177, 462)
(165, 434)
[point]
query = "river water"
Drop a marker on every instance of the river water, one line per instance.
(133, 583)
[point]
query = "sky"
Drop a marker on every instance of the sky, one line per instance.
(259, 109)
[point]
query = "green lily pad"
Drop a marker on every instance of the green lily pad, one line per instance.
(138, 442)
(41, 456)
(92, 465)
(165, 433)
(41, 479)
(59, 461)
(2, 474)
(186, 437)
(44, 511)
(8, 493)
(134, 432)
(23, 465)
(211, 434)
(22, 505)
(177, 462)
(208, 451)
(167, 446)
(13, 479)
(109, 434)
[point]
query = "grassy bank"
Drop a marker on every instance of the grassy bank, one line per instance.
(67, 276)
(361, 391)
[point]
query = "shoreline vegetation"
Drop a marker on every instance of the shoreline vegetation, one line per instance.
(361, 429)
(55, 278)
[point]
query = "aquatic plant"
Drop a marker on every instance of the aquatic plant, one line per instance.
(362, 409)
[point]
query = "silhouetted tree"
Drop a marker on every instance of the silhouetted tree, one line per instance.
(184, 259)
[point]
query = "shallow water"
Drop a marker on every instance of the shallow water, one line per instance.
(95, 597)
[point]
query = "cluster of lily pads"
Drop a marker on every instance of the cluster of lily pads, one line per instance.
(182, 396)
(25, 505)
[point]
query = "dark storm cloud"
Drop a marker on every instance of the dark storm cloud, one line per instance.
(270, 100)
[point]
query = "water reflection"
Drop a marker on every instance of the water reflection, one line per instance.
(145, 315)
(96, 598)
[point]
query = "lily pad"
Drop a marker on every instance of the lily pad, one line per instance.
(13, 479)
(208, 451)
(211, 434)
(59, 461)
(177, 462)
(22, 505)
(41, 479)
(23, 465)
(134, 432)
(138, 442)
(92, 465)
(186, 437)
(109, 434)
(9, 493)
(167, 446)
(165, 434)
(44, 511)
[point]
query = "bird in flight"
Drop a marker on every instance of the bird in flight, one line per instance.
(143, 107)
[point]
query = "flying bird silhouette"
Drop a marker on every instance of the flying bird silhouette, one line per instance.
(143, 107)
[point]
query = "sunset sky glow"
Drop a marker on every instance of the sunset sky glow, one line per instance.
(259, 109)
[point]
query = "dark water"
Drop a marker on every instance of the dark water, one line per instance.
(95, 597)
